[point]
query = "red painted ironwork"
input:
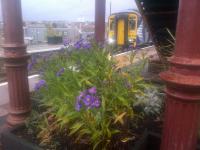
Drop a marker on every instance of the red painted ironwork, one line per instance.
(100, 9)
(16, 62)
(183, 82)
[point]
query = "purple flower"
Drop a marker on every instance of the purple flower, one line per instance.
(80, 41)
(79, 44)
(131, 47)
(96, 103)
(82, 44)
(81, 96)
(78, 106)
(39, 85)
(88, 100)
(32, 63)
(87, 46)
(78, 101)
(60, 72)
(92, 90)
(66, 42)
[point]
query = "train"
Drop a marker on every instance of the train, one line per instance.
(127, 29)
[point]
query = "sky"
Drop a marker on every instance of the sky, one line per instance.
(69, 10)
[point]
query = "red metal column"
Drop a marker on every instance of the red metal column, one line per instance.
(15, 62)
(183, 82)
(100, 9)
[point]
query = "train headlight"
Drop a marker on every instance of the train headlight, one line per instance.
(131, 40)
(111, 40)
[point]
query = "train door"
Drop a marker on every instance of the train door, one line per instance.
(132, 29)
(120, 32)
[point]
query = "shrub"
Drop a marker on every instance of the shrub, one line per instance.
(88, 99)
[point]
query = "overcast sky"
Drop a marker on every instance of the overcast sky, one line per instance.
(69, 10)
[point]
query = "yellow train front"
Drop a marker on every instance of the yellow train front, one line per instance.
(122, 29)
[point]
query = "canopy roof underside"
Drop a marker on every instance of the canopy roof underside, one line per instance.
(160, 16)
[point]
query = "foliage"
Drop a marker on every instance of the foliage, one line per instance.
(166, 47)
(152, 102)
(87, 98)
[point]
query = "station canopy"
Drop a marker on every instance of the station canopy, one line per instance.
(160, 17)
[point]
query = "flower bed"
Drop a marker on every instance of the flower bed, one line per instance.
(88, 102)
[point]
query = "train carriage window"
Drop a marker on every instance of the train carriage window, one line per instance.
(132, 24)
(112, 25)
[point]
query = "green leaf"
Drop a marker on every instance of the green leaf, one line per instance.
(124, 140)
(96, 144)
(75, 127)
(119, 118)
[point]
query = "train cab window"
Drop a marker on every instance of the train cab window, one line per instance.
(112, 25)
(132, 24)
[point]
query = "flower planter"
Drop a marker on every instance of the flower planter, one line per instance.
(11, 141)
(84, 112)
(149, 141)
(14, 139)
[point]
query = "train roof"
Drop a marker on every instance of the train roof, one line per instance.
(126, 12)
(159, 15)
